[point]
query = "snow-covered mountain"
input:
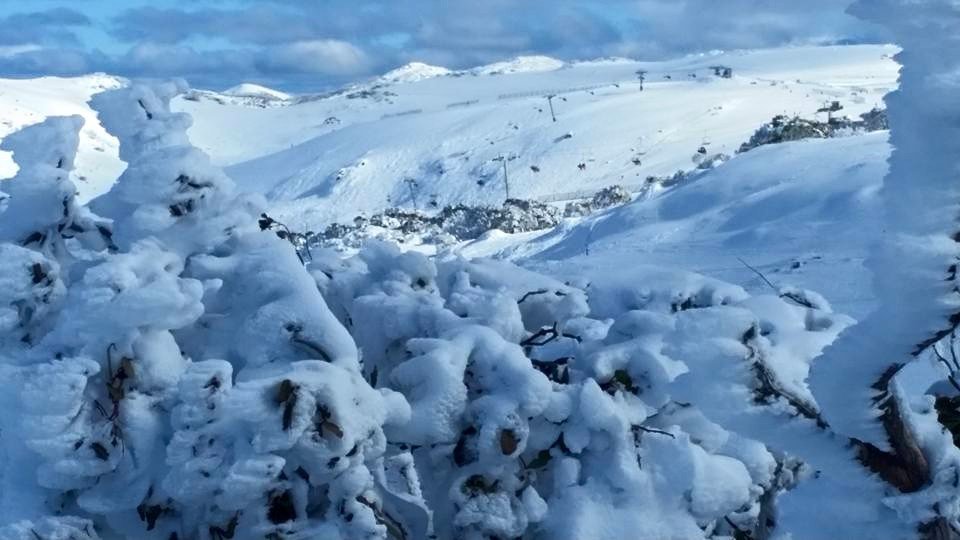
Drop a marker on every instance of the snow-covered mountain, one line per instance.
(413, 72)
(441, 138)
(423, 134)
(256, 91)
(520, 64)
(332, 157)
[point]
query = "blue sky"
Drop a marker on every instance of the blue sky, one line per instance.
(304, 45)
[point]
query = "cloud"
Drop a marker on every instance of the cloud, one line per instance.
(38, 61)
(160, 60)
(260, 24)
(685, 26)
(289, 42)
(326, 56)
(7, 51)
(294, 65)
(464, 32)
(42, 27)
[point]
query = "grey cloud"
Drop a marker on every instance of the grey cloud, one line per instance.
(42, 27)
(686, 26)
(321, 43)
(51, 61)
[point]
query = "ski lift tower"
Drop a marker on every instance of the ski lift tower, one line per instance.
(550, 101)
(412, 184)
(506, 179)
(830, 108)
(641, 76)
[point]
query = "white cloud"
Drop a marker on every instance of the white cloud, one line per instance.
(7, 51)
(325, 56)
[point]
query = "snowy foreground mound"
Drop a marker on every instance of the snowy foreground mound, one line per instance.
(171, 370)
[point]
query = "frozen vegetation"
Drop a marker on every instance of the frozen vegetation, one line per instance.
(179, 359)
(207, 384)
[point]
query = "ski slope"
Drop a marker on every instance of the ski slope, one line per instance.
(804, 214)
(330, 157)
(425, 135)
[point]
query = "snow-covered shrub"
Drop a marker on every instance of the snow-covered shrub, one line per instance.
(42, 228)
(785, 129)
(605, 198)
(449, 225)
(189, 382)
(531, 417)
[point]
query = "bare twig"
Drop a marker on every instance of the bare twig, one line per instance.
(532, 293)
(759, 273)
(657, 431)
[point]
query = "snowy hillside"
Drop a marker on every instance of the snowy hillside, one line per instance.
(803, 213)
(29, 101)
(413, 72)
(440, 138)
(331, 157)
(255, 90)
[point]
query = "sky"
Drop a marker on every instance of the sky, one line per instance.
(312, 45)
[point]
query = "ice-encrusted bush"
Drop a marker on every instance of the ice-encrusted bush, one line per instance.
(188, 382)
(451, 224)
(195, 380)
(605, 198)
(529, 416)
(785, 129)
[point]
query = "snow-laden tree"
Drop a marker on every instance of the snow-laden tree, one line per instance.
(189, 383)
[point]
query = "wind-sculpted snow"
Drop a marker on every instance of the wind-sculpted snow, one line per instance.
(915, 278)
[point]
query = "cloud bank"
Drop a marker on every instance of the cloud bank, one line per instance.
(309, 45)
